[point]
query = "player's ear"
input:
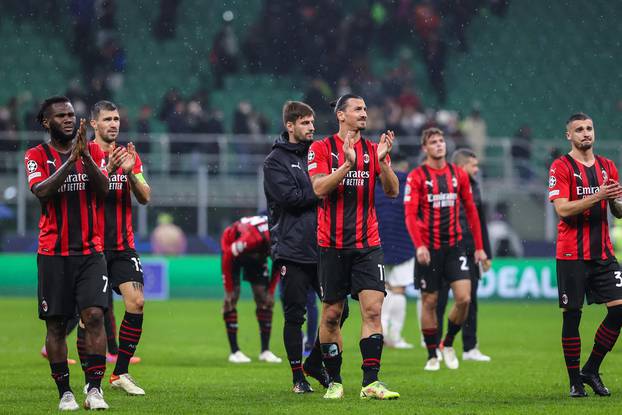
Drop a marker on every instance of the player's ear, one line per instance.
(289, 126)
(93, 123)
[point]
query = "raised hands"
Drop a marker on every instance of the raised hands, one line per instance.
(348, 148)
(120, 157)
(610, 190)
(80, 146)
(385, 145)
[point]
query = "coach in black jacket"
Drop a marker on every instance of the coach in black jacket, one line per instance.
(467, 159)
(293, 234)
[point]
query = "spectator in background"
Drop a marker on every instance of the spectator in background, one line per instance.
(166, 23)
(168, 104)
(504, 241)
(143, 129)
(247, 121)
(521, 152)
(167, 238)
(224, 56)
(475, 132)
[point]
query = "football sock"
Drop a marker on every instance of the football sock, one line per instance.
(452, 330)
(129, 336)
(264, 318)
(331, 355)
(231, 323)
(292, 337)
(95, 369)
(605, 338)
(371, 351)
(111, 331)
(571, 344)
(60, 374)
(81, 346)
(430, 337)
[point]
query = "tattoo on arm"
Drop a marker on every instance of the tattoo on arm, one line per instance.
(137, 286)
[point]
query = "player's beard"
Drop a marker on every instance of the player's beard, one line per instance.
(57, 133)
(584, 146)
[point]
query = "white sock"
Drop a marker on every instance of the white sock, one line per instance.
(398, 315)
(385, 317)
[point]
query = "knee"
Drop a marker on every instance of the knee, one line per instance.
(56, 331)
(294, 315)
(136, 305)
(463, 301)
(371, 312)
(331, 319)
(430, 302)
(93, 317)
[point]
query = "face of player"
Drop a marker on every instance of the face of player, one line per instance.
(581, 134)
(61, 122)
(471, 166)
(354, 115)
(106, 125)
(435, 148)
(302, 130)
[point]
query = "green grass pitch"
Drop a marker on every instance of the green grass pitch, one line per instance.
(185, 369)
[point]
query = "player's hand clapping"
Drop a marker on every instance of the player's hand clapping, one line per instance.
(84, 147)
(610, 190)
(385, 145)
(117, 158)
(129, 160)
(348, 148)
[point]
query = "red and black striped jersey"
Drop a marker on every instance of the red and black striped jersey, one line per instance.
(432, 200)
(347, 216)
(70, 222)
(584, 236)
(118, 229)
(249, 236)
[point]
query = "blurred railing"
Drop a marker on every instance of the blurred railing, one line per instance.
(196, 173)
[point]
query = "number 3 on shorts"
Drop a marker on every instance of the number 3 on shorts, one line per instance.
(105, 278)
(618, 276)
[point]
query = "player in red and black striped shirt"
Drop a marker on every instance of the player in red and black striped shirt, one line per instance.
(432, 198)
(343, 170)
(125, 171)
(245, 246)
(68, 177)
(581, 186)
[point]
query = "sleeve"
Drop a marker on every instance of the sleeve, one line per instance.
(138, 165)
(98, 156)
(411, 207)
(35, 167)
(470, 209)
(250, 240)
(613, 171)
(317, 158)
(559, 181)
(280, 186)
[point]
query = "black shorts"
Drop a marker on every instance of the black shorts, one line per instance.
(252, 268)
(447, 265)
(350, 271)
(70, 283)
(123, 266)
(598, 280)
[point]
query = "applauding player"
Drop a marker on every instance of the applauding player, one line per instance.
(68, 177)
(581, 186)
(343, 170)
(125, 171)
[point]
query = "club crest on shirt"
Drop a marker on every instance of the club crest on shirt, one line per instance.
(365, 158)
(454, 182)
(605, 177)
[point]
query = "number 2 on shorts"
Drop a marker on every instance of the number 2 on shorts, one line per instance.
(463, 265)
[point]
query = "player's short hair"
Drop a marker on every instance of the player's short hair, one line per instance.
(102, 106)
(579, 116)
(46, 104)
(429, 132)
(462, 156)
(342, 102)
(293, 110)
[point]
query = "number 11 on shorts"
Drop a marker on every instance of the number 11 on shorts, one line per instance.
(381, 269)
